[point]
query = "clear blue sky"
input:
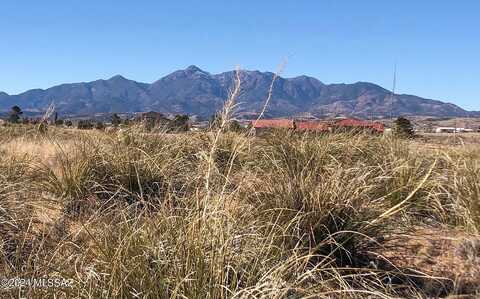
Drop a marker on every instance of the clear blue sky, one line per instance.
(435, 43)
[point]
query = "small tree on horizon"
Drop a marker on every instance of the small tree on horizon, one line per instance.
(234, 126)
(15, 113)
(180, 123)
(99, 125)
(403, 128)
(116, 120)
(85, 124)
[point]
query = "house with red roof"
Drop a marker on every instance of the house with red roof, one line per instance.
(264, 125)
(349, 124)
(312, 126)
(353, 123)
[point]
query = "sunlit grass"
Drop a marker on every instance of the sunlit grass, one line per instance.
(227, 215)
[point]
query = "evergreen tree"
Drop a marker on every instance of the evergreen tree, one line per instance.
(99, 125)
(15, 113)
(180, 123)
(85, 124)
(116, 120)
(403, 128)
(234, 126)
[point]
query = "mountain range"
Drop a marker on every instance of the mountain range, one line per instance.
(196, 92)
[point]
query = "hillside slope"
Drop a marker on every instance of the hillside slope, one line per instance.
(194, 91)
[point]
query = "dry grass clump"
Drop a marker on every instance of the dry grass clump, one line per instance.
(457, 188)
(226, 215)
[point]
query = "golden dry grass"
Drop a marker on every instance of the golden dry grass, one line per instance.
(227, 215)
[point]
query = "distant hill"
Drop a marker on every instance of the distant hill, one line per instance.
(196, 92)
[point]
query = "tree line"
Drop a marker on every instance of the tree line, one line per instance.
(179, 123)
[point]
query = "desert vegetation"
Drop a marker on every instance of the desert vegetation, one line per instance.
(222, 214)
(146, 211)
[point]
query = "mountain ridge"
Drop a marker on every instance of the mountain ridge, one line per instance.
(197, 92)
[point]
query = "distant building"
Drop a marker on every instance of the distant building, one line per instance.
(445, 130)
(153, 118)
(263, 125)
(353, 123)
(199, 126)
(317, 125)
(453, 130)
(313, 126)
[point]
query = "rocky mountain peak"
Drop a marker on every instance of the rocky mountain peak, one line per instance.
(196, 92)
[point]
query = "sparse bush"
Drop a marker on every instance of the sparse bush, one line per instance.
(99, 125)
(403, 128)
(43, 127)
(116, 120)
(85, 124)
(15, 113)
(179, 123)
(234, 126)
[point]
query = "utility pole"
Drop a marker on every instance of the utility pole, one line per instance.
(455, 129)
(455, 132)
(392, 95)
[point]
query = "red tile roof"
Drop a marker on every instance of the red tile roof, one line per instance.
(317, 125)
(352, 122)
(274, 123)
(312, 126)
(379, 127)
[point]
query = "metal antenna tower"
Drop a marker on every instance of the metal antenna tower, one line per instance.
(393, 90)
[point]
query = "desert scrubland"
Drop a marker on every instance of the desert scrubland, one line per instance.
(221, 214)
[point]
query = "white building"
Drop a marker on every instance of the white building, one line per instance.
(452, 130)
(445, 130)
